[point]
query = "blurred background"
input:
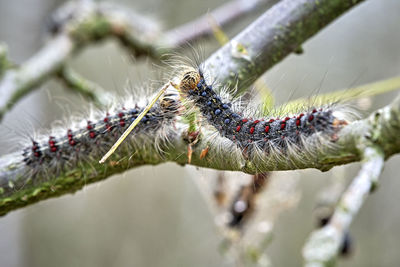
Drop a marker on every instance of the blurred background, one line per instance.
(157, 215)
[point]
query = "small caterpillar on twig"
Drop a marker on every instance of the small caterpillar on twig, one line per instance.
(85, 141)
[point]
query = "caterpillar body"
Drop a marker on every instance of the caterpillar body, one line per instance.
(264, 135)
(87, 140)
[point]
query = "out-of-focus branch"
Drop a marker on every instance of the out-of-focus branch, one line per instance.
(274, 35)
(247, 245)
(243, 204)
(281, 195)
(223, 15)
(18, 82)
(85, 22)
(79, 23)
(323, 245)
(326, 203)
(87, 88)
(4, 63)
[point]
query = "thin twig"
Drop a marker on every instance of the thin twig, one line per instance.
(223, 15)
(89, 22)
(4, 63)
(323, 245)
(87, 88)
(17, 83)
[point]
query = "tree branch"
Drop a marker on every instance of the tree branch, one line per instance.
(323, 245)
(381, 128)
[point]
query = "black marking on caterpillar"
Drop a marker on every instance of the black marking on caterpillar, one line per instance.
(89, 141)
(265, 134)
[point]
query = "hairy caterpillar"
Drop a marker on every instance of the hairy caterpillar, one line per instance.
(275, 136)
(85, 141)
(88, 140)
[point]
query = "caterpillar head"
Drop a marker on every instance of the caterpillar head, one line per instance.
(189, 80)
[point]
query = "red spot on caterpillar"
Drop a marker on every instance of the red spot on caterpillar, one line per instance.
(271, 120)
(120, 114)
(36, 154)
(310, 118)
(238, 128)
(89, 127)
(283, 125)
(301, 115)
(105, 120)
(108, 127)
(51, 141)
(297, 122)
(245, 120)
(92, 134)
(53, 149)
(267, 128)
(70, 138)
(122, 123)
(252, 130)
(286, 119)
(256, 121)
(314, 111)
